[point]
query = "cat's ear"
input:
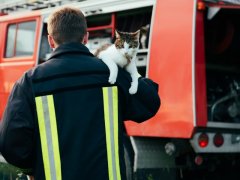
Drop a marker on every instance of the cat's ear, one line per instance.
(117, 34)
(137, 34)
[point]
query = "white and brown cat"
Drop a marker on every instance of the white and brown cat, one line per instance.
(122, 53)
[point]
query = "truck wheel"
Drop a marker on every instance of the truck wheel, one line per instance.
(128, 156)
(129, 168)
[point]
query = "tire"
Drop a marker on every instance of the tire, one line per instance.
(128, 156)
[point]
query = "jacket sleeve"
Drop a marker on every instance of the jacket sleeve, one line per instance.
(16, 130)
(145, 103)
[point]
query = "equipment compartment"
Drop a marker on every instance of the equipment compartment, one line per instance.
(102, 30)
(222, 42)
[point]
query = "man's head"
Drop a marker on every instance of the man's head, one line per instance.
(66, 25)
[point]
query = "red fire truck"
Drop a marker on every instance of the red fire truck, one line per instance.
(190, 47)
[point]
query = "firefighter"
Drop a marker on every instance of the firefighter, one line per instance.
(63, 119)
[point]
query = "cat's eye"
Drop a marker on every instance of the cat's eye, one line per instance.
(133, 45)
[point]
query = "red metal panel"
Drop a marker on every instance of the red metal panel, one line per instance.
(171, 52)
(11, 69)
(2, 99)
(201, 90)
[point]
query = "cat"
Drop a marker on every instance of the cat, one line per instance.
(122, 53)
(144, 36)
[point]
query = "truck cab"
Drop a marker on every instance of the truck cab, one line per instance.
(190, 48)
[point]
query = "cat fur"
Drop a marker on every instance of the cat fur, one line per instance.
(125, 57)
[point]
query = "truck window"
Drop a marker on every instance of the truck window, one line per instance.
(45, 50)
(10, 40)
(20, 39)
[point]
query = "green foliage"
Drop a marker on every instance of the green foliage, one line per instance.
(7, 168)
(150, 177)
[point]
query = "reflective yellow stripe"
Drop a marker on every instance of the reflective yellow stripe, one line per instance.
(49, 137)
(115, 119)
(107, 131)
(54, 137)
(43, 137)
(110, 101)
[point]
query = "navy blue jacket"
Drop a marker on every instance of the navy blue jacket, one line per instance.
(76, 79)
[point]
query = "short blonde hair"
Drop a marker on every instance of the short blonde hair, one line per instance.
(67, 24)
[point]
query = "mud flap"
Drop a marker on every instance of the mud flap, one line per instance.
(151, 161)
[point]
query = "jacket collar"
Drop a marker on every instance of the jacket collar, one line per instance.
(70, 48)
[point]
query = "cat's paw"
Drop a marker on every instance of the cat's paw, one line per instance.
(112, 80)
(113, 77)
(133, 90)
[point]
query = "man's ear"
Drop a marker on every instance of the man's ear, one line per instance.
(51, 42)
(85, 38)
